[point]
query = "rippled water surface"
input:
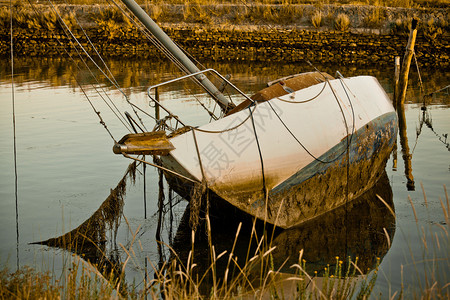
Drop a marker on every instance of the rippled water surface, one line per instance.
(66, 169)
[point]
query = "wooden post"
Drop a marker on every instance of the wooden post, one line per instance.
(410, 186)
(396, 80)
(407, 62)
(400, 100)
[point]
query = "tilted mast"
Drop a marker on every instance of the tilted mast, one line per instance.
(176, 51)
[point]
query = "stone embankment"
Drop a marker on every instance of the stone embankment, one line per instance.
(276, 45)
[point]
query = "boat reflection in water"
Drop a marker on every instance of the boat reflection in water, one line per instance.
(362, 228)
(95, 239)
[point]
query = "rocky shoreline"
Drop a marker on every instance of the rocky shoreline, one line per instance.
(247, 42)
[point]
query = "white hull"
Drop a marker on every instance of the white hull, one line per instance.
(291, 137)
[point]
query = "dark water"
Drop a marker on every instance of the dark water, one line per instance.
(66, 170)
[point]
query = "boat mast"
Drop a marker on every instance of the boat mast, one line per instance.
(176, 51)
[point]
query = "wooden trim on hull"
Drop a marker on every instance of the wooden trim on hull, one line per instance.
(284, 86)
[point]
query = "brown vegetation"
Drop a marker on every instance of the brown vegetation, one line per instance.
(379, 14)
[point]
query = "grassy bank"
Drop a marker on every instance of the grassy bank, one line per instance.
(390, 3)
(363, 34)
(385, 16)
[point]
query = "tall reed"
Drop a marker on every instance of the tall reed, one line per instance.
(256, 277)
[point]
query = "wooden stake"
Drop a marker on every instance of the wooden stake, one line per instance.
(407, 62)
(396, 80)
(405, 148)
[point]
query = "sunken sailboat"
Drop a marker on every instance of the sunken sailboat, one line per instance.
(303, 146)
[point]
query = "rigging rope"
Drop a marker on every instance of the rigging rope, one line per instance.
(228, 129)
(96, 52)
(67, 30)
(167, 53)
(420, 77)
(345, 121)
(97, 112)
(438, 91)
(198, 191)
(305, 101)
(151, 38)
(87, 97)
(260, 157)
(69, 34)
(14, 136)
(112, 78)
(63, 26)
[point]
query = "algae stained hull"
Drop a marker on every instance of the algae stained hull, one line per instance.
(294, 149)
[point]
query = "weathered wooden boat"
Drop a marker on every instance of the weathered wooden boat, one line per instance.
(301, 147)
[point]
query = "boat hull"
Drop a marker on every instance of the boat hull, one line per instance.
(321, 187)
(289, 160)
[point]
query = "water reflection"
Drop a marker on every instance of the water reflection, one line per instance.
(425, 118)
(95, 239)
(56, 73)
(135, 75)
(406, 153)
(363, 228)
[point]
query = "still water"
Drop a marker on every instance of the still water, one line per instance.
(66, 169)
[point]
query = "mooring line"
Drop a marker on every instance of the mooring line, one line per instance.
(265, 192)
(160, 167)
(14, 136)
(111, 78)
(420, 77)
(145, 189)
(438, 91)
(162, 48)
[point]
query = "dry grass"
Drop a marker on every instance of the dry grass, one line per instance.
(434, 28)
(342, 22)
(178, 280)
(316, 19)
(390, 3)
(375, 18)
(43, 20)
(400, 26)
(27, 283)
(429, 283)
(257, 277)
(222, 13)
(79, 282)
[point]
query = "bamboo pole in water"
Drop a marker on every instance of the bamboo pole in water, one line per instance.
(405, 148)
(399, 103)
(407, 63)
(394, 102)
(396, 80)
